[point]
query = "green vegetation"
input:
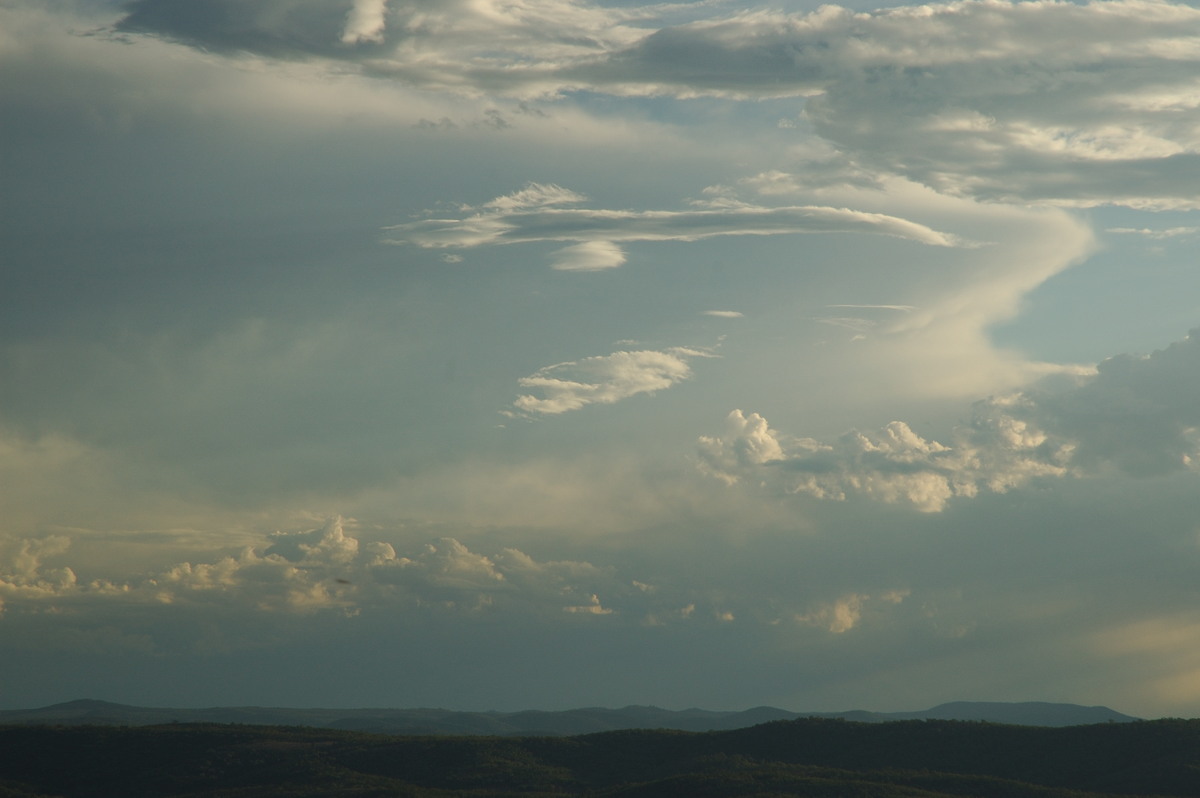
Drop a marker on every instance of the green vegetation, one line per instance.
(808, 757)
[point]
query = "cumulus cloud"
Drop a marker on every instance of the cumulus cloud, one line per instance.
(895, 465)
(320, 570)
(605, 379)
(746, 442)
(838, 617)
(1138, 414)
(27, 577)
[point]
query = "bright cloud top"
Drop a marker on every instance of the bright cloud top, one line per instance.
(605, 379)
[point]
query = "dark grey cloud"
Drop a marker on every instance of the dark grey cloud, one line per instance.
(1139, 413)
(281, 28)
(973, 99)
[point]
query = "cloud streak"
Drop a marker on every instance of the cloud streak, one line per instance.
(530, 215)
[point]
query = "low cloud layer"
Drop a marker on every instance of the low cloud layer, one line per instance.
(316, 570)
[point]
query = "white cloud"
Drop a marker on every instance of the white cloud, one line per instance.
(365, 22)
(746, 442)
(903, 308)
(1168, 232)
(605, 379)
(724, 314)
(838, 617)
(593, 607)
(590, 256)
(1138, 414)
(974, 98)
(896, 465)
(521, 219)
(318, 570)
(534, 195)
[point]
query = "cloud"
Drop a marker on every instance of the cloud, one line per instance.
(26, 577)
(997, 452)
(839, 617)
(318, 570)
(975, 98)
(746, 442)
(282, 28)
(605, 379)
(1169, 232)
(365, 22)
(531, 215)
(902, 308)
(1014, 116)
(1138, 414)
(724, 314)
(593, 607)
(447, 44)
(589, 256)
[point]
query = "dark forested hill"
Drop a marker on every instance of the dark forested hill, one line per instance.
(809, 757)
(567, 722)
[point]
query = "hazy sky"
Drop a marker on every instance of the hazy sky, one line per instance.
(502, 354)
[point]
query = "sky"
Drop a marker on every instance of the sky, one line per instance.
(510, 354)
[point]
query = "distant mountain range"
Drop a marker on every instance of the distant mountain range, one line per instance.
(534, 722)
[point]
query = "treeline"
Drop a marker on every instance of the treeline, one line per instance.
(806, 757)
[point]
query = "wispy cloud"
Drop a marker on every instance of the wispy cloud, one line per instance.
(1160, 234)
(902, 308)
(532, 215)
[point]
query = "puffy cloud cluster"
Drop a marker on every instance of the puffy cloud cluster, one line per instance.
(329, 572)
(534, 214)
(604, 379)
(1140, 415)
(324, 569)
(27, 579)
(893, 465)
